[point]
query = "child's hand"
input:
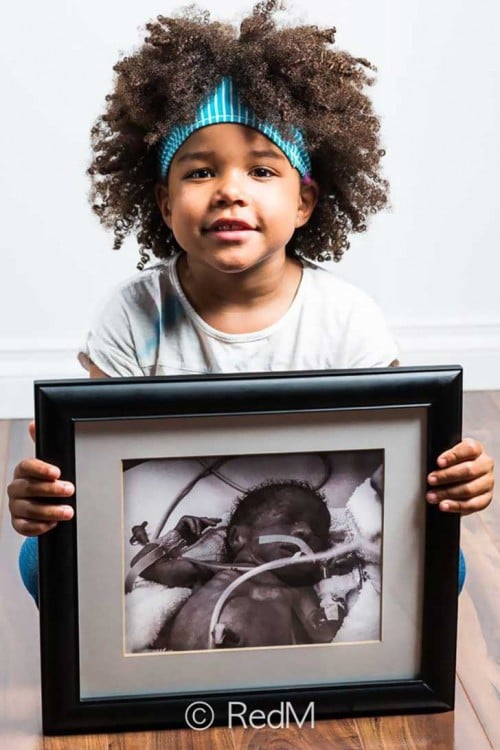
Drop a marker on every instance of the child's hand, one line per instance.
(33, 481)
(463, 481)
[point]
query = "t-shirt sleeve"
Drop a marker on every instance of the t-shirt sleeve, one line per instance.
(369, 341)
(110, 341)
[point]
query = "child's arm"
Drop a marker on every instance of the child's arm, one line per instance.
(36, 482)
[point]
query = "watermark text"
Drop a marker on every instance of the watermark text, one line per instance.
(200, 715)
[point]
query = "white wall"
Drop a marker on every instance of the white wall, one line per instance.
(432, 261)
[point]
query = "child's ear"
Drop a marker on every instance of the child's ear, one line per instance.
(163, 201)
(237, 537)
(309, 193)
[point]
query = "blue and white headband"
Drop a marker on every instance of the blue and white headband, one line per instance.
(224, 105)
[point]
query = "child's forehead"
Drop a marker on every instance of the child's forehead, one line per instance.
(221, 138)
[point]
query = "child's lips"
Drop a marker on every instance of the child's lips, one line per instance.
(230, 225)
(230, 230)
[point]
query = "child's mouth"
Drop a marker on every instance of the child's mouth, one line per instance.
(230, 229)
(229, 225)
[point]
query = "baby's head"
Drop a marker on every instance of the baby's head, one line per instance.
(289, 78)
(289, 509)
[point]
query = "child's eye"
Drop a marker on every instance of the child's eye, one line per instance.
(199, 174)
(263, 172)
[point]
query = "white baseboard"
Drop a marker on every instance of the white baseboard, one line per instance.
(24, 361)
(475, 346)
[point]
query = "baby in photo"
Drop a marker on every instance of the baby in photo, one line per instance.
(274, 521)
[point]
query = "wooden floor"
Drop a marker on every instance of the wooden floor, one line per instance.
(474, 725)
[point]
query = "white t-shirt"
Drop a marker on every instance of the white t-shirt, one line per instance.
(148, 327)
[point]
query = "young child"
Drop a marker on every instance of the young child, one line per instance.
(239, 159)
(279, 607)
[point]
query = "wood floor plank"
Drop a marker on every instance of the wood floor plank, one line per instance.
(495, 397)
(149, 741)
(469, 734)
(77, 742)
(219, 738)
(340, 734)
(20, 719)
(274, 739)
(419, 732)
(478, 662)
(130, 741)
(479, 411)
(482, 421)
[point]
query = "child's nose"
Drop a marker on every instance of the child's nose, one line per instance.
(230, 189)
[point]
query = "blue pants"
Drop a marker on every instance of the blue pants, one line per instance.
(28, 566)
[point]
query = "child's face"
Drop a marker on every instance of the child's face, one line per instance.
(233, 200)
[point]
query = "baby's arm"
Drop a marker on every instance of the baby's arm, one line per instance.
(33, 485)
(171, 569)
(176, 572)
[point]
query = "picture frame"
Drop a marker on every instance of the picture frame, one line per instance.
(119, 439)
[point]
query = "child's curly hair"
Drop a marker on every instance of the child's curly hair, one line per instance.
(289, 76)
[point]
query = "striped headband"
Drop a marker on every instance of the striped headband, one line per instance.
(224, 105)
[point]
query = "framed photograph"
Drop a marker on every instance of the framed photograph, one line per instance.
(248, 544)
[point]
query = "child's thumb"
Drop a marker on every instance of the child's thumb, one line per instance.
(31, 430)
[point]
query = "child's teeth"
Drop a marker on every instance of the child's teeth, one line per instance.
(227, 227)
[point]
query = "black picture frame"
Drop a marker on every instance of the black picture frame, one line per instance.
(62, 405)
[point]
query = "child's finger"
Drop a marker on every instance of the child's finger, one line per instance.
(31, 430)
(466, 507)
(36, 469)
(467, 450)
(26, 488)
(31, 528)
(462, 472)
(34, 511)
(464, 491)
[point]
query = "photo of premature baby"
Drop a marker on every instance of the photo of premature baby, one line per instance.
(252, 551)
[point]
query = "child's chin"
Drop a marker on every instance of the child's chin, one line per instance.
(234, 264)
(238, 259)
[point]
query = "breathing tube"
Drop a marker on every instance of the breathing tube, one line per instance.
(302, 556)
(242, 567)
